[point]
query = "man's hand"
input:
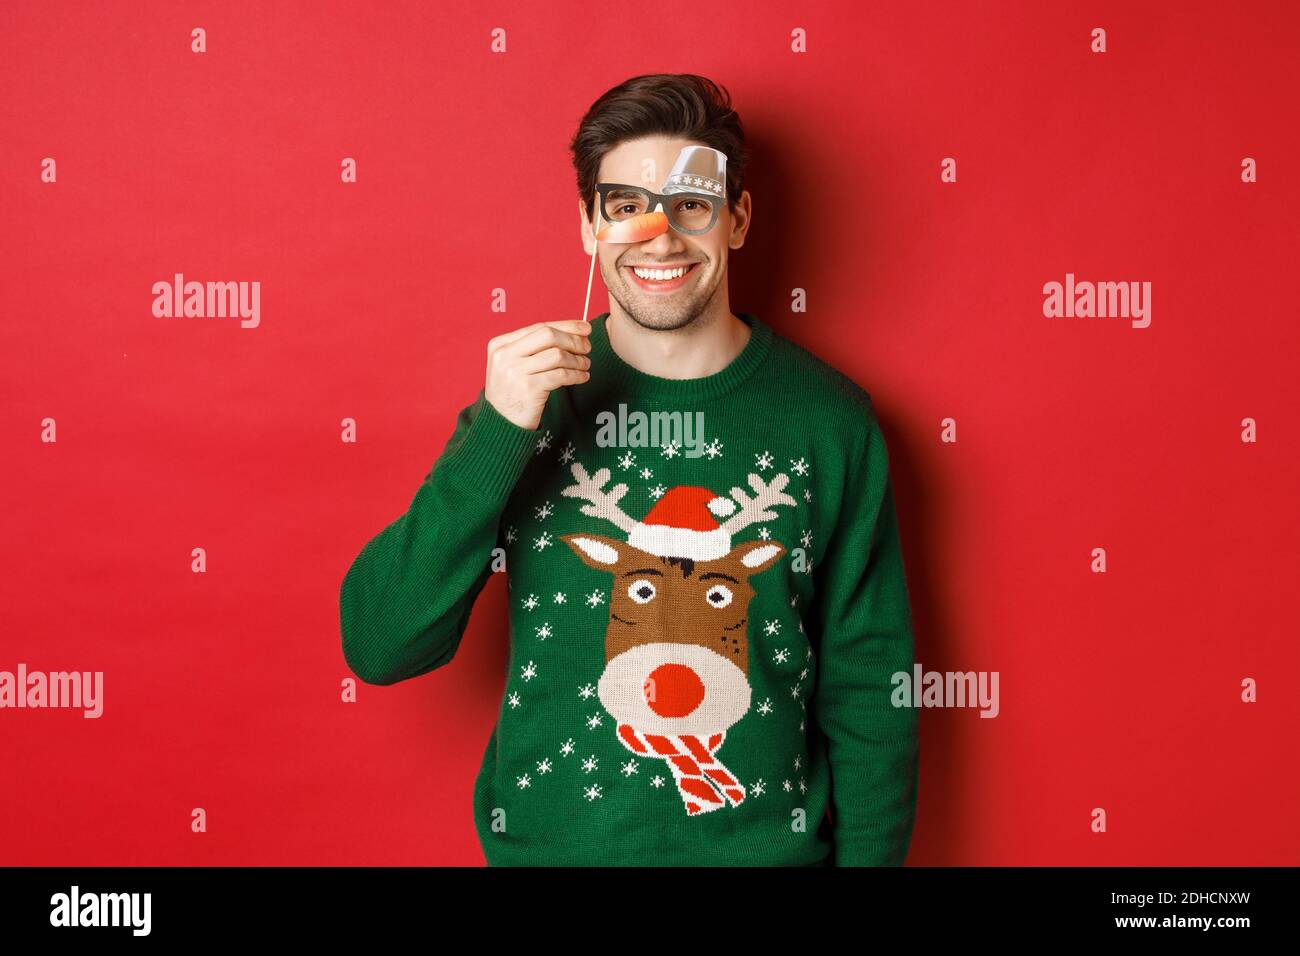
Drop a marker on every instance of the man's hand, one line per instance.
(526, 365)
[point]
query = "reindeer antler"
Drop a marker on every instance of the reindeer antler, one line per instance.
(756, 508)
(604, 504)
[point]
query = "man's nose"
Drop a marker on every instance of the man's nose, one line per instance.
(673, 690)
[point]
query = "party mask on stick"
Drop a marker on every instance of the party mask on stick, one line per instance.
(691, 196)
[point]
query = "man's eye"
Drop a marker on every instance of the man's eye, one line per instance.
(626, 206)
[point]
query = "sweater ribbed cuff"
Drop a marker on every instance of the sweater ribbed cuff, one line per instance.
(493, 453)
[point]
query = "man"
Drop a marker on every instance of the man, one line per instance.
(706, 587)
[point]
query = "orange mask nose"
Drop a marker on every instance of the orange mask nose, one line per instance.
(640, 228)
(673, 690)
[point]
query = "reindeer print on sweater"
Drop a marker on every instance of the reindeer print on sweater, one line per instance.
(677, 647)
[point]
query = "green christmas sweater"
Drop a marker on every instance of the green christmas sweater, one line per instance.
(707, 609)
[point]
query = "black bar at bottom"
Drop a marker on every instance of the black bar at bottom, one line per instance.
(332, 904)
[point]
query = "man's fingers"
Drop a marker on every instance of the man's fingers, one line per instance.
(543, 337)
(525, 365)
(553, 357)
(578, 326)
(505, 338)
(562, 376)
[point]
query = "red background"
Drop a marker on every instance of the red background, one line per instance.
(222, 690)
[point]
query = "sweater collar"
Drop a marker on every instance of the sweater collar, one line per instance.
(606, 363)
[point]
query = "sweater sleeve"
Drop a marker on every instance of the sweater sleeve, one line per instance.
(866, 638)
(406, 599)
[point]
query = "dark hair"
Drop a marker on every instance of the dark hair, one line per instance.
(671, 104)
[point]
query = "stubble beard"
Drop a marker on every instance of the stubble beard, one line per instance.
(659, 317)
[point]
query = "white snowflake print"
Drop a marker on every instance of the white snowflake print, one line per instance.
(592, 793)
(594, 721)
(513, 700)
(757, 788)
(798, 761)
(805, 539)
(544, 766)
(566, 456)
(647, 474)
(566, 748)
(802, 725)
(587, 691)
(713, 449)
(763, 461)
(772, 627)
(803, 674)
(765, 708)
(764, 533)
(800, 467)
(510, 535)
(803, 785)
(531, 602)
(544, 512)
(780, 656)
(524, 782)
(657, 492)
(595, 598)
(543, 443)
(672, 449)
(589, 764)
(542, 543)
(559, 597)
(544, 631)
(807, 494)
(629, 768)
(529, 671)
(626, 460)
(657, 781)
(794, 692)
(787, 786)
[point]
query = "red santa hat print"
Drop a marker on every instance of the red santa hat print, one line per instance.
(683, 524)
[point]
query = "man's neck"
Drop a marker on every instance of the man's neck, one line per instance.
(705, 346)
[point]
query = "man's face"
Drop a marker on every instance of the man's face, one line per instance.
(657, 304)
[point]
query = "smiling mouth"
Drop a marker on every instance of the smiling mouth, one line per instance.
(661, 280)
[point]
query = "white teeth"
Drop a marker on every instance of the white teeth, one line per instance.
(660, 275)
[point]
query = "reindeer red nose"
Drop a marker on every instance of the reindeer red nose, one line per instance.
(673, 690)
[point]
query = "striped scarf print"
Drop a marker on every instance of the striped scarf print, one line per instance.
(703, 782)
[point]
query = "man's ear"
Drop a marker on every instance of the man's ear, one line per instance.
(596, 550)
(755, 556)
(588, 235)
(740, 219)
